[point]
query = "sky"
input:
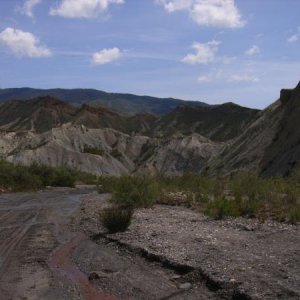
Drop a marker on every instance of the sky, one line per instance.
(213, 51)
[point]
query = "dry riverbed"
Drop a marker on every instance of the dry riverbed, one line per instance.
(235, 259)
(53, 247)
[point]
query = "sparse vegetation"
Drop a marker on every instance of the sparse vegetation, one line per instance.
(93, 150)
(134, 192)
(106, 184)
(116, 219)
(242, 194)
(50, 176)
(16, 178)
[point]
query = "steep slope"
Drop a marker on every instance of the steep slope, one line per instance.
(218, 122)
(270, 145)
(44, 113)
(123, 103)
(283, 154)
(176, 155)
(38, 114)
(100, 117)
(107, 151)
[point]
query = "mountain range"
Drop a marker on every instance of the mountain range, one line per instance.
(164, 136)
(122, 103)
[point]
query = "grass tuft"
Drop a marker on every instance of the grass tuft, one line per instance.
(116, 219)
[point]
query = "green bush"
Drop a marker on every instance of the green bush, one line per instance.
(294, 215)
(51, 176)
(85, 178)
(21, 178)
(242, 194)
(134, 191)
(116, 219)
(222, 207)
(17, 178)
(63, 178)
(106, 184)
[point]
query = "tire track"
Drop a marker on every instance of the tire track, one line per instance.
(8, 246)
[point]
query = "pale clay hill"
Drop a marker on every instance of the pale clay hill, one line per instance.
(119, 153)
(215, 140)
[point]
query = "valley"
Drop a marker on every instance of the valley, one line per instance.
(149, 150)
(211, 191)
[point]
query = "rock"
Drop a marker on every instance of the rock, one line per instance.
(93, 276)
(245, 227)
(185, 286)
(175, 277)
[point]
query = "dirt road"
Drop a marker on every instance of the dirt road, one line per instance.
(43, 257)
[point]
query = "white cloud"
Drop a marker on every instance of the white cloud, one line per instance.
(205, 78)
(217, 13)
(253, 50)
(243, 78)
(23, 43)
(82, 8)
(205, 53)
(28, 6)
(106, 56)
(173, 5)
(295, 37)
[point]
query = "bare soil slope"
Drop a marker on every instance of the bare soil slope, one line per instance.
(270, 145)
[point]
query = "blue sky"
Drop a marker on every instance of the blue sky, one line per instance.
(214, 51)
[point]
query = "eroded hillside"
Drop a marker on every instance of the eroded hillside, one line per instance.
(107, 151)
(269, 145)
(215, 139)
